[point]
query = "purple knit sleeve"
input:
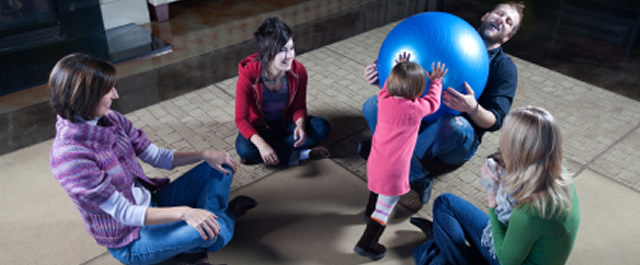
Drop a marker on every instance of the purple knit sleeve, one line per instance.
(76, 169)
(137, 137)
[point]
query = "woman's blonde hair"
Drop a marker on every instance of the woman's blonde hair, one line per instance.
(407, 80)
(531, 147)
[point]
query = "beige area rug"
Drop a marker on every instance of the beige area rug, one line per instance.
(312, 214)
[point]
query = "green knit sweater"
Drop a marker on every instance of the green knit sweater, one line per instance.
(529, 239)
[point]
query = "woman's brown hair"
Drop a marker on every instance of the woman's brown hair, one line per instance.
(77, 83)
(270, 37)
(407, 80)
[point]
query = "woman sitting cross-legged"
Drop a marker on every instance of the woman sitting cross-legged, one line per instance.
(95, 156)
(271, 111)
(534, 211)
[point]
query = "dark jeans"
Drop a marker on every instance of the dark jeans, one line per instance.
(455, 222)
(281, 140)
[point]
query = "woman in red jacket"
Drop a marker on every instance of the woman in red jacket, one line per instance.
(271, 111)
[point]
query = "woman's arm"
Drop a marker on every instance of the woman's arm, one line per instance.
(299, 104)
(513, 243)
(298, 133)
(158, 157)
(202, 220)
(215, 159)
(244, 101)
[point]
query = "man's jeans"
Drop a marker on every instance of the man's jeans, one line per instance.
(451, 139)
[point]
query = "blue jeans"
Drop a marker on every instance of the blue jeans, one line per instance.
(281, 140)
(455, 222)
(202, 187)
(451, 139)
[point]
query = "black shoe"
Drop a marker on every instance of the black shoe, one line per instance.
(368, 245)
(371, 206)
(425, 225)
(423, 188)
(241, 204)
(364, 148)
(199, 258)
(436, 167)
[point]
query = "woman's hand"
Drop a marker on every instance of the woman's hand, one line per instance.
(492, 171)
(492, 200)
(298, 133)
(203, 221)
(371, 73)
(216, 159)
(460, 102)
(269, 155)
(437, 73)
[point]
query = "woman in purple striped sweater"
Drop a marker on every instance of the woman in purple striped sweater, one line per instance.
(94, 157)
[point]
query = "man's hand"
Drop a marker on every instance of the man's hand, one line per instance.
(458, 101)
(371, 73)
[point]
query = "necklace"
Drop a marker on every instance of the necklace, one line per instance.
(275, 84)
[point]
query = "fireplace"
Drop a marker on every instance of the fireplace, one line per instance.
(18, 16)
(35, 34)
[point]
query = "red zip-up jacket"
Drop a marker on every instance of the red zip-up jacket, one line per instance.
(249, 113)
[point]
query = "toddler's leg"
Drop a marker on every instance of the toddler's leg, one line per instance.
(368, 245)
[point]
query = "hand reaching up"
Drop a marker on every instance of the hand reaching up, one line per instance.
(437, 73)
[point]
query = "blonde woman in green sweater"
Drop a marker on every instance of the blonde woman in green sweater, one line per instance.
(534, 212)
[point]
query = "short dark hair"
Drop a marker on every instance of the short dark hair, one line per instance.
(270, 37)
(77, 83)
(519, 7)
(407, 80)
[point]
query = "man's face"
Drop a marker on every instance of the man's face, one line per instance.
(497, 25)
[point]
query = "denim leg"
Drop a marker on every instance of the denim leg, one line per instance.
(247, 150)
(428, 253)
(317, 130)
(274, 137)
(370, 112)
(456, 221)
(420, 180)
(202, 187)
(450, 139)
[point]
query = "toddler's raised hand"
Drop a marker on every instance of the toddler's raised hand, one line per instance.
(437, 73)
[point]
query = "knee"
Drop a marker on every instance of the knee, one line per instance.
(244, 147)
(457, 127)
(370, 105)
(443, 201)
(321, 126)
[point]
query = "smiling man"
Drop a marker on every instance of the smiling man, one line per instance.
(452, 140)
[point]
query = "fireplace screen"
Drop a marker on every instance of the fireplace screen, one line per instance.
(17, 16)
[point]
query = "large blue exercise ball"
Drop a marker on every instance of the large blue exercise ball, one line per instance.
(438, 37)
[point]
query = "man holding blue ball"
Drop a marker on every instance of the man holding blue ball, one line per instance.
(447, 143)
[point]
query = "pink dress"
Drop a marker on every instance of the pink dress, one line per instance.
(395, 138)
